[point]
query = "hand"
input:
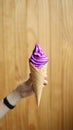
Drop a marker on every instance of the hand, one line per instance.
(26, 89)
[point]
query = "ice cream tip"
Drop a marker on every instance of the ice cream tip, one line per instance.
(38, 57)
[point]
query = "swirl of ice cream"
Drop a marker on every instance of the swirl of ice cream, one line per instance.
(38, 57)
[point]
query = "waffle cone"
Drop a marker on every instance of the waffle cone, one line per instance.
(37, 76)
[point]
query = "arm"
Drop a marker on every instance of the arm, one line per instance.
(22, 90)
(12, 98)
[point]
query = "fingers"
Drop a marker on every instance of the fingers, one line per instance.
(45, 82)
(29, 81)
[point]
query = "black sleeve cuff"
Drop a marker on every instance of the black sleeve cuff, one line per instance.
(6, 102)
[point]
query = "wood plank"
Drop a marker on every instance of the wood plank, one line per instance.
(22, 24)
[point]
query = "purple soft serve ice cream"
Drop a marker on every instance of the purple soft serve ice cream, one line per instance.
(38, 57)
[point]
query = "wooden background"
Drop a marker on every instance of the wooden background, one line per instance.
(22, 24)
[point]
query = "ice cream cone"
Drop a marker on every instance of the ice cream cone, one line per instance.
(37, 76)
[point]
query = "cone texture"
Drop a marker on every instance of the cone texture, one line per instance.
(37, 76)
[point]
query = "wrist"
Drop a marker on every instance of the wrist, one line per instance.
(13, 97)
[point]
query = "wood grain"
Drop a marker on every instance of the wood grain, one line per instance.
(22, 24)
